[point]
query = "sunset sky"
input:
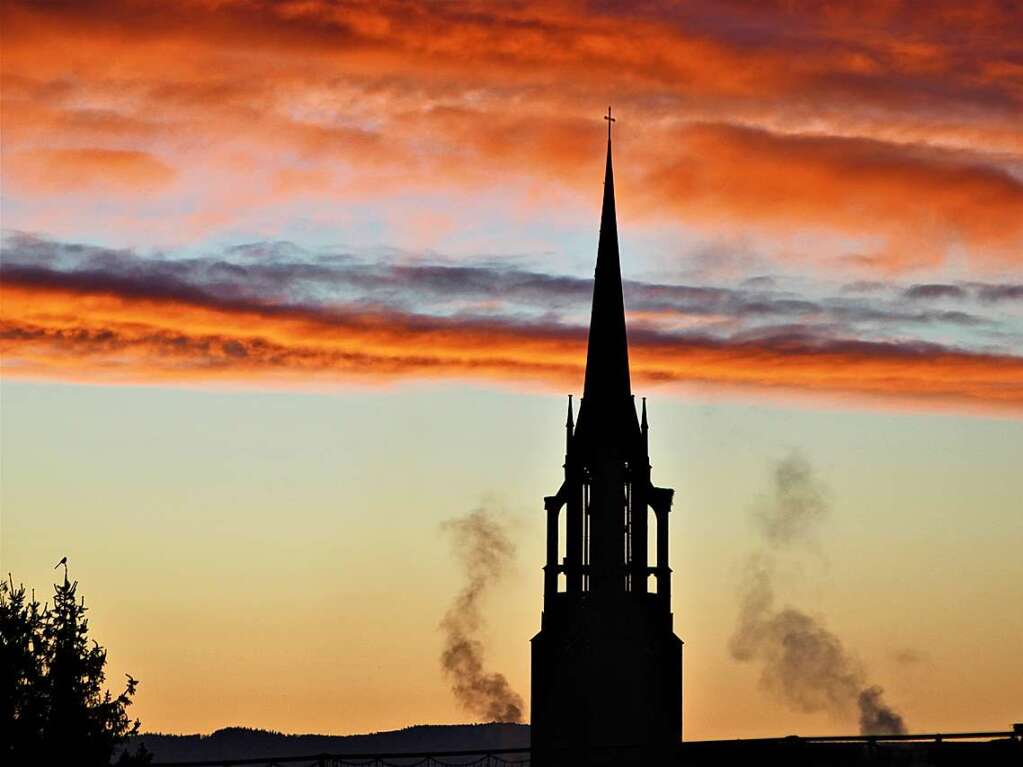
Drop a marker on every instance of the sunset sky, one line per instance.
(287, 283)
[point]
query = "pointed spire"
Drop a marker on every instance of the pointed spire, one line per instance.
(643, 424)
(607, 355)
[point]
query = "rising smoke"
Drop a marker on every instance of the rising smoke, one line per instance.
(482, 546)
(802, 663)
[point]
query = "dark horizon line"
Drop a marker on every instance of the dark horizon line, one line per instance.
(1014, 734)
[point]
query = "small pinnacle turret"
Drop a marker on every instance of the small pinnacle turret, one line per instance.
(569, 426)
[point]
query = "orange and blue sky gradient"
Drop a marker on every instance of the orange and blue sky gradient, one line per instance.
(287, 283)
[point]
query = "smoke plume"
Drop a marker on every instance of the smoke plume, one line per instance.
(482, 546)
(802, 663)
(876, 718)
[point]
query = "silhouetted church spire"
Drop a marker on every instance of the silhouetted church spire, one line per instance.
(607, 666)
(607, 355)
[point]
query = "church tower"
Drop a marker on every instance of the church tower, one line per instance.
(606, 664)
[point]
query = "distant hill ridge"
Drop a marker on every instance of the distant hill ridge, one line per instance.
(246, 743)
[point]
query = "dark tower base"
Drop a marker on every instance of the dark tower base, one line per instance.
(606, 683)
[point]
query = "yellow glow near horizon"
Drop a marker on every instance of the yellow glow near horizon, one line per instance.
(258, 560)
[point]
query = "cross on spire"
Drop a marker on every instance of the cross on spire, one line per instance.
(610, 120)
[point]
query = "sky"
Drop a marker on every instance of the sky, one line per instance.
(288, 284)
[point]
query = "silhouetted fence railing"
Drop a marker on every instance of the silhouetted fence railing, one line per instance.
(521, 757)
(957, 749)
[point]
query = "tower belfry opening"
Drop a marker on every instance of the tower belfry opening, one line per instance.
(606, 664)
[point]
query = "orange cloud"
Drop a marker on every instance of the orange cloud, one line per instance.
(736, 47)
(95, 332)
(921, 201)
(871, 124)
(863, 107)
(54, 170)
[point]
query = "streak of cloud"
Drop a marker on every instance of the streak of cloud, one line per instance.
(274, 318)
(909, 196)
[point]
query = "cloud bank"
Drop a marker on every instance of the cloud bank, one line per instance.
(880, 128)
(272, 314)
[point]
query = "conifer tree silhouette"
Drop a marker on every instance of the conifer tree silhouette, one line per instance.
(53, 706)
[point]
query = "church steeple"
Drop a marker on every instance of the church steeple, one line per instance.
(607, 667)
(607, 354)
